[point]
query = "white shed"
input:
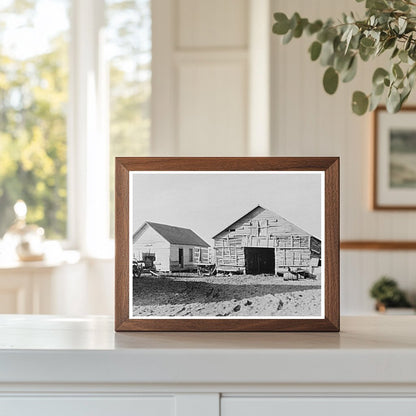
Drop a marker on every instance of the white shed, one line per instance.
(169, 248)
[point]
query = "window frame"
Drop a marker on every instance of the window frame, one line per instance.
(88, 131)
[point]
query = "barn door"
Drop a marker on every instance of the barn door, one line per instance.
(259, 260)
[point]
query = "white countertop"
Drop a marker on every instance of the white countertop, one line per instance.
(49, 349)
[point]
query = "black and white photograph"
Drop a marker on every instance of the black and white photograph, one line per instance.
(226, 244)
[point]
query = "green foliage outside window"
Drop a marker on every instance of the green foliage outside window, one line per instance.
(33, 99)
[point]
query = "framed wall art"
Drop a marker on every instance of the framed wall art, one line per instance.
(227, 244)
(394, 178)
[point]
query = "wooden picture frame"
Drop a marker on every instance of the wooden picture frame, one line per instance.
(391, 189)
(129, 168)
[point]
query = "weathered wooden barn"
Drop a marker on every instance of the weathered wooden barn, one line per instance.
(168, 248)
(264, 242)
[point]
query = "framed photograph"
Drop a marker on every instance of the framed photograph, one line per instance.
(227, 244)
(394, 179)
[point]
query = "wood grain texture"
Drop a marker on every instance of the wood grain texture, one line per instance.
(330, 165)
(378, 245)
(332, 225)
(376, 205)
(121, 244)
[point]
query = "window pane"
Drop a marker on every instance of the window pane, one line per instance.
(33, 100)
(129, 46)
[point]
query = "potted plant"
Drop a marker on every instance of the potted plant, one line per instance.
(389, 27)
(387, 294)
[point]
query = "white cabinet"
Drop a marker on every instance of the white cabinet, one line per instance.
(271, 406)
(88, 406)
(79, 366)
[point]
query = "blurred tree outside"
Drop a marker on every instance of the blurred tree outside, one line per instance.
(33, 99)
(34, 67)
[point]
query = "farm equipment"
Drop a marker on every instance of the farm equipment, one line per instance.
(298, 274)
(206, 269)
(140, 267)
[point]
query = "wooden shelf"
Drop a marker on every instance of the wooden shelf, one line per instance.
(378, 245)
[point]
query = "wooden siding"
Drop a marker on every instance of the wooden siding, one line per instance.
(263, 228)
(292, 257)
(188, 262)
(201, 255)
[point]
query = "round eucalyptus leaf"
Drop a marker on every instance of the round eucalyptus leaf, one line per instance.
(359, 103)
(395, 52)
(330, 80)
(281, 27)
(367, 42)
(397, 71)
(393, 101)
(294, 20)
(314, 27)
(366, 53)
(298, 30)
(403, 56)
(374, 102)
(315, 50)
(288, 37)
(379, 75)
(403, 96)
(378, 89)
(389, 43)
(351, 71)
(342, 61)
(376, 4)
(327, 53)
(322, 36)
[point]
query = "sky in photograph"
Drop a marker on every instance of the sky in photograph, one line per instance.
(208, 203)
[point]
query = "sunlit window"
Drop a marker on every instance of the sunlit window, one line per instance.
(40, 71)
(33, 102)
(129, 46)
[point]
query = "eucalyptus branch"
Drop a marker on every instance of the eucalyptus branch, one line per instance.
(389, 25)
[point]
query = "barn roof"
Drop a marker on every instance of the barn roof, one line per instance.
(289, 228)
(175, 235)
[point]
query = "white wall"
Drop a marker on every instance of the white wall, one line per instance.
(211, 92)
(200, 77)
(308, 122)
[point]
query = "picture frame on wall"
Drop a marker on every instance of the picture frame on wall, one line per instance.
(394, 164)
(227, 244)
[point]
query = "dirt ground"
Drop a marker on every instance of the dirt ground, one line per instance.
(237, 295)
